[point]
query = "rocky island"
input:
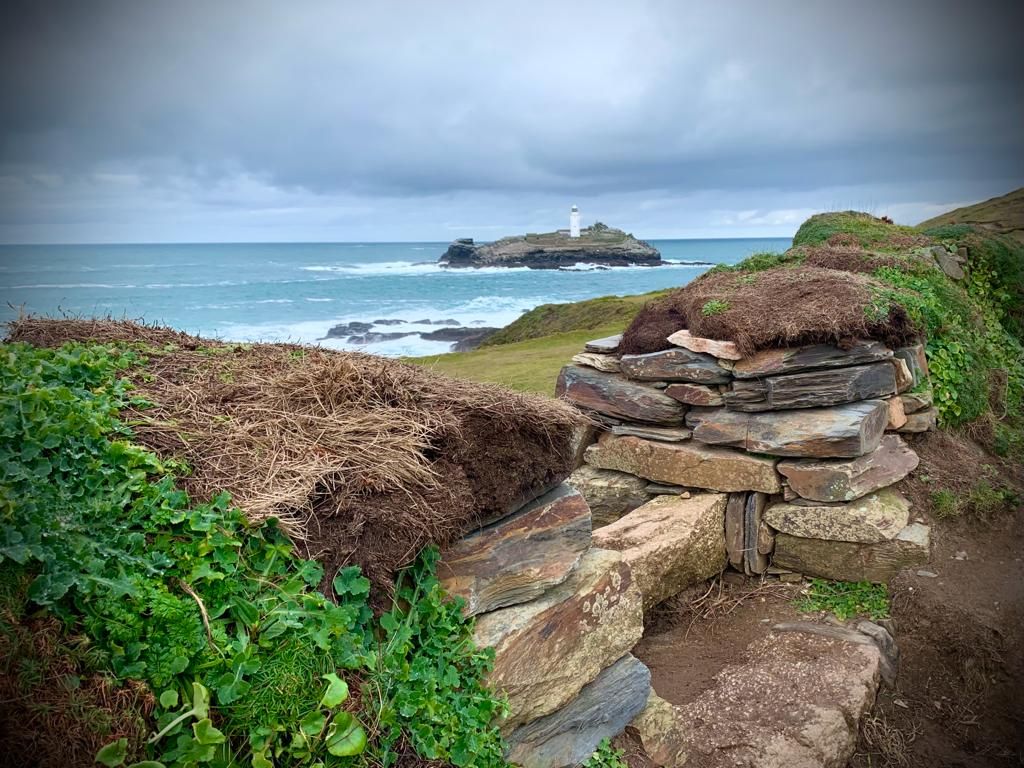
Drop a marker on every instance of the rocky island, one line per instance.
(597, 244)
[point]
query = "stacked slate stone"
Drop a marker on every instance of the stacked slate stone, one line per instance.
(562, 616)
(805, 442)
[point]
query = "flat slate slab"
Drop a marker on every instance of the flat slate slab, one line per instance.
(611, 395)
(847, 561)
(606, 363)
(670, 543)
(771, 362)
(688, 463)
(519, 558)
(724, 350)
(914, 401)
(609, 494)
(695, 394)
(608, 345)
(813, 389)
(549, 648)
(840, 431)
(921, 421)
(668, 434)
(874, 518)
(849, 479)
(601, 711)
(675, 364)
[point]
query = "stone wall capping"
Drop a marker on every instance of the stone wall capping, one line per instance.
(771, 362)
(724, 350)
(813, 389)
(606, 363)
(607, 345)
(676, 364)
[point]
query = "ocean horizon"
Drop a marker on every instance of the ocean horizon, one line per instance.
(297, 292)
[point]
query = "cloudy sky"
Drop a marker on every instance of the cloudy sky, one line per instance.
(275, 121)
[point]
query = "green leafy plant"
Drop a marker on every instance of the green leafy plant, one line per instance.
(606, 756)
(714, 307)
(846, 599)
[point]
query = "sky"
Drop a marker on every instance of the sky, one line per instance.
(198, 121)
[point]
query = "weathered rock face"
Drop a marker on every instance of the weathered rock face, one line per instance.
(724, 350)
(695, 394)
(613, 396)
(599, 244)
(897, 416)
(845, 480)
(916, 361)
(921, 421)
(840, 431)
(549, 648)
(847, 561)
(670, 543)
(609, 494)
(814, 389)
(734, 529)
(795, 704)
(518, 558)
(870, 519)
(947, 262)
(688, 464)
(675, 364)
(904, 377)
(602, 710)
(771, 362)
(606, 363)
(668, 434)
(754, 534)
(916, 401)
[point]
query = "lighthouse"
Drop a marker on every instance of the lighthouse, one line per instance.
(574, 222)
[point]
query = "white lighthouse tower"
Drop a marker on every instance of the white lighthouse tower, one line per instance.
(574, 222)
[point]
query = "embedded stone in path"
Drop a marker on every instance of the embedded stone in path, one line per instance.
(840, 431)
(725, 350)
(690, 464)
(518, 558)
(675, 364)
(606, 363)
(613, 396)
(922, 421)
(668, 434)
(548, 649)
(609, 494)
(877, 517)
(608, 345)
(847, 561)
(813, 389)
(670, 543)
(771, 362)
(849, 479)
(601, 711)
(695, 394)
(796, 703)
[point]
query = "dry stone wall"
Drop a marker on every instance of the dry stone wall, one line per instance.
(804, 441)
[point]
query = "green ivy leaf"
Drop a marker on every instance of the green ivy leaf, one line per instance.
(113, 754)
(345, 736)
(336, 693)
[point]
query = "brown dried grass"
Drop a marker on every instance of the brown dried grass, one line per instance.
(776, 307)
(363, 460)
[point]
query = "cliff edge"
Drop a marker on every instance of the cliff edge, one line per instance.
(598, 244)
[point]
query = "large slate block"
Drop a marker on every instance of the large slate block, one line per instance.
(847, 561)
(870, 519)
(771, 362)
(609, 494)
(922, 421)
(518, 558)
(688, 463)
(849, 479)
(840, 431)
(755, 562)
(813, 389)
(695, 394)
(601, 711)
(605, 346)
(548, 649)
(675, 364)
(614, 396)
(670, 543)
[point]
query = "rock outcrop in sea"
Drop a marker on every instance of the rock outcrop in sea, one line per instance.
(598, 244)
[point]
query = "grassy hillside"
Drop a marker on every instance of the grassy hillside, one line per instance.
(1002, 215)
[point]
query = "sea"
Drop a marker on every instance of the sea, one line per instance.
(298, 292)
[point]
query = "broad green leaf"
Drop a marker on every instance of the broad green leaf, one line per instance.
(169, 699)
(336, 693)
(113, 754)
(260, 760)
(206, 733)
(345, 736)
(148, 764)
(200, 701)
(313, 723)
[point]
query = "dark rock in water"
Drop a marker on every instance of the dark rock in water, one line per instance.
(602, 710)
(472, 342)
(375, 338)
(455, 334)
(347, 329)
(392, 321)
(599, 244)
(436, 322)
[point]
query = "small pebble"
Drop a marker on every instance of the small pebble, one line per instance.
(928, 574)
(960, 555)
(901, 703)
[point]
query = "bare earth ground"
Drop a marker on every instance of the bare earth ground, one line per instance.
(959, 698)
